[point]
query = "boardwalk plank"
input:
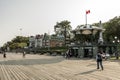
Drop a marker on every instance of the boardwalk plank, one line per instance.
(39, 67)
(5, 73)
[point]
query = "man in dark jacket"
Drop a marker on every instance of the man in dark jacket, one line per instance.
(99, 60)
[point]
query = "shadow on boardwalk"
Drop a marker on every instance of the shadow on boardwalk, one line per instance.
(87, 72)
(31, 61)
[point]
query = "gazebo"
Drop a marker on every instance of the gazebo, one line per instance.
(87, 48)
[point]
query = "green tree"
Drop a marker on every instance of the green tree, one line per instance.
(17, 42)
(63, 28)
(112, 29)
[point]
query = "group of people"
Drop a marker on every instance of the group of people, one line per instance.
(4, 54)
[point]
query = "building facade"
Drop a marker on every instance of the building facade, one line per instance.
(45, 41)
(35, 41)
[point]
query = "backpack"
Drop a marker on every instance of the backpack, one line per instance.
(99, 57)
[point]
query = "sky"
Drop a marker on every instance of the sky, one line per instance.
(32, 17)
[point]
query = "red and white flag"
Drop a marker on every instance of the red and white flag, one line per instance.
(88, 11)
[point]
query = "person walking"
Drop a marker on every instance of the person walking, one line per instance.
(99, 60)
(24, 54)
(4, 55)
(67, 54)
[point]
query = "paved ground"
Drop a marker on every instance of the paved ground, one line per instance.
(41, 67)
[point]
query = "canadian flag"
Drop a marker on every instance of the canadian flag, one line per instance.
(88, 11)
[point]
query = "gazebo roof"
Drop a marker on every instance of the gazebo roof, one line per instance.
(87, 29)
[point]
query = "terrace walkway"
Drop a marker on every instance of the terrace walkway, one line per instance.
(42, 67)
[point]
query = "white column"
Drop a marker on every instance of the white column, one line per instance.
(100, 34)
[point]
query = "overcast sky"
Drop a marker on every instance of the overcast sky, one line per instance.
(31, 17)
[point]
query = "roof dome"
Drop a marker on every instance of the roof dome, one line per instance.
(87, 29)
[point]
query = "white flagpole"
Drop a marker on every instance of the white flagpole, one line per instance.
(87, 12)
(86, 18)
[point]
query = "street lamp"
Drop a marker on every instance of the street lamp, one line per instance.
(116, 41)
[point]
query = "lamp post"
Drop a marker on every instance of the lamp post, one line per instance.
(116, 41)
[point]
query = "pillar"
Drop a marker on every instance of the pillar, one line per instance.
(95, 50)
(81, 52)
(100, 34)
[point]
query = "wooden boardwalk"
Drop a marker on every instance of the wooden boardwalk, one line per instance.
(41, 67)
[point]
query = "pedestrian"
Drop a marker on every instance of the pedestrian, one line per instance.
(4, 55)
(99, 60)
(67, 54)
(24, 54)
(117, 55)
